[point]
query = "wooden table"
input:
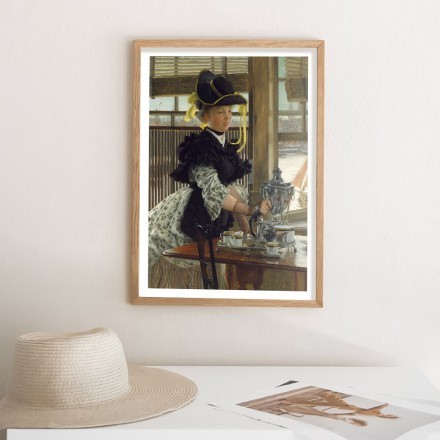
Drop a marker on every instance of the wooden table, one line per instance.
(249, 267)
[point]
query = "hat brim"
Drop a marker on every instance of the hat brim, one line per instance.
(153, 391)
(234, 99)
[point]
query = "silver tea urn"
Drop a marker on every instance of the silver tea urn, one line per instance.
(280, 194)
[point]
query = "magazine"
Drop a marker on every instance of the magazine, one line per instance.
(338, 412)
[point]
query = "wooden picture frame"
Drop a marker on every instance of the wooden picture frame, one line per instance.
(144, 52)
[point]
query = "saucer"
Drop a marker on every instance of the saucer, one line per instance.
(284, 227)
(277, 255)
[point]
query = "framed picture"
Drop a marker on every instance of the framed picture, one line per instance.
(273, 94)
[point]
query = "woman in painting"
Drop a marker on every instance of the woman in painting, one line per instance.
(211, 167)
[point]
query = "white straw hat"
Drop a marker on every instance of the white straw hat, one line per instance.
(81, 379)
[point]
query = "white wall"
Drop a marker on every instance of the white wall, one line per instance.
(65, 139)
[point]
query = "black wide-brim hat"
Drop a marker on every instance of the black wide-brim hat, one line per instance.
(215, 90)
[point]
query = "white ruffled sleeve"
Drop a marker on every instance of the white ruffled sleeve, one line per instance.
(213, 191)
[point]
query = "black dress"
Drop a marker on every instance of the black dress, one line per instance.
(205, 149)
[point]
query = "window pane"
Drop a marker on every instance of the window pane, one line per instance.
(182, 103)
(283, 104)
(162, 103)
(290, 164)
(292, 153)
(289, 124)
(291, 157)
(281, 67)
(160, 120)
(179, 121)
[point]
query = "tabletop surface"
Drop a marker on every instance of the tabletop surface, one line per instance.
(289, 260)
(200, 420)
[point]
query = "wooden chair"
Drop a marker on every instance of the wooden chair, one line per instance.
(204, 234)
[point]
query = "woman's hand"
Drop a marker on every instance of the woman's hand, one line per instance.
(264, 206)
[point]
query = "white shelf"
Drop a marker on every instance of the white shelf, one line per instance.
(199, 420)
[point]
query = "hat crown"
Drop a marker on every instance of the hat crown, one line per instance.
(65, 370)
(221, 86)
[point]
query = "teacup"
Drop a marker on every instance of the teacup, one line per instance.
(272, 247)
(237, 239)
(227, 237)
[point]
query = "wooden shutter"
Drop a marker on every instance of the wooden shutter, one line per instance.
(172, 75)
(297, 79)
